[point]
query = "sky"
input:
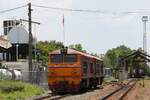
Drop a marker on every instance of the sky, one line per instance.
(97, 32)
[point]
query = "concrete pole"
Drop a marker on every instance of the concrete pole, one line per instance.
(144, 19)
(30, 37)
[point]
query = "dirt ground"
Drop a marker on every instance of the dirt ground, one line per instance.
(139, 92)
(95, 94)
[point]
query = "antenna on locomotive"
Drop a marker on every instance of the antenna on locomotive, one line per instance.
(63, 47)
(64, 50)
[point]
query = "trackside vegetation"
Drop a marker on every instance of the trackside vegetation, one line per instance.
(16, 90)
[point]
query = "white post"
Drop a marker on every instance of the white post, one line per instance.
(144, 19)
(17, 52)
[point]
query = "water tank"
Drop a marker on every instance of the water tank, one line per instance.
(18, 35)
(9, 24)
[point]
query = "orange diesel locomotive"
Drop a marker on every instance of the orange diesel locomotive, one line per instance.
(70, 70)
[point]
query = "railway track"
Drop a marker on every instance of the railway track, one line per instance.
(117, 94)
(51, 96)
(121, 92)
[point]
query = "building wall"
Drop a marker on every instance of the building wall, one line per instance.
(12, 52)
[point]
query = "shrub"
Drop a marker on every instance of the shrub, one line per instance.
(15, 90)
(9, 86)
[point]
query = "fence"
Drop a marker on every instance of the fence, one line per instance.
(35, 77)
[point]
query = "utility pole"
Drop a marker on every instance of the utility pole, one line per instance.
(30, 40)
(34, 22)
(144, 20)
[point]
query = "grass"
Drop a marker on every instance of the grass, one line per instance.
(15, 90)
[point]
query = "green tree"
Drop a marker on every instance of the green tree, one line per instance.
(45, 47)
(77, 46)
(48, 46)
(111, 57)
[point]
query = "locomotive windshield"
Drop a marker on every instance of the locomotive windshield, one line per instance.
(67, 58)
(56, 58)
(70, 58)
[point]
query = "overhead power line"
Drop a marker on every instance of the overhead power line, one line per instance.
(68, 9)
(81, 10)
(12, 9)
(95, 11)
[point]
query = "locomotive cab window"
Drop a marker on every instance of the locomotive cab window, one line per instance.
(70, 58)
(56, 58)
(59, 58)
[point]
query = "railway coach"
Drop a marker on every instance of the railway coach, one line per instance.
(70, 70)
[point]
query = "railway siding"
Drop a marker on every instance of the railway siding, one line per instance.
(119, 93)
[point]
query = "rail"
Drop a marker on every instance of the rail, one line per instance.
(121, 92)
(51, 96)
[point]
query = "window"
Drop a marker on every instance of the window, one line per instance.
(5, 31)
(102, 66)
(91, 68)
(70, 58)
(85, 67)
(56, 58)
(97, 68)
(59, 58)
(5, 23)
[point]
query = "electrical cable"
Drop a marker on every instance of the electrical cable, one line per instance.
(68, 9)
(12, 9)
(93, 11)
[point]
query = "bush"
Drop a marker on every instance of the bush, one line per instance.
(15, 90)
(9, 86)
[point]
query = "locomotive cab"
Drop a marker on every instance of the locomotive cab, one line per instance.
(64, 71)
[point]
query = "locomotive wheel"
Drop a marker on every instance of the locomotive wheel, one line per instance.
(101, 80)
(83, 85)
(95, 83)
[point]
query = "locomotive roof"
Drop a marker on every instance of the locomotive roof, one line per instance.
(74, 51)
